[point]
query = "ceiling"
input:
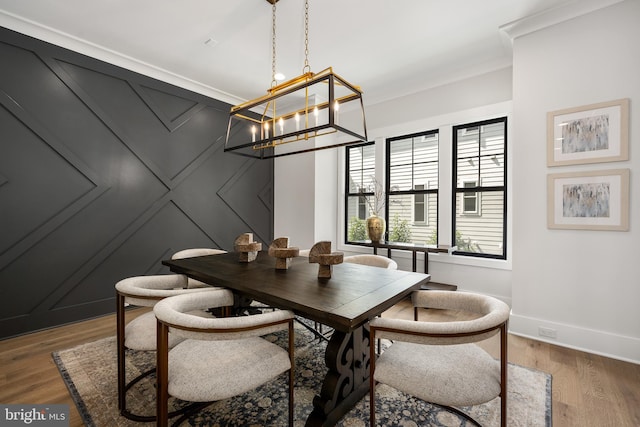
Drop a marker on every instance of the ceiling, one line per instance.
(388, 48)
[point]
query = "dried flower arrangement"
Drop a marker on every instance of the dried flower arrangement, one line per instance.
(373, 193)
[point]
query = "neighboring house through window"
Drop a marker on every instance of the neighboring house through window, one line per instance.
(419, 206)
(412, 187)
(361, 169)
(480, 188)
(470, 200)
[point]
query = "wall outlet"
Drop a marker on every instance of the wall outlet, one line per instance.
(547, 332)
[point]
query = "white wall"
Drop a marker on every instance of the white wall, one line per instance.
(294, 199)
(583, 284)
(485, 89)
(306, 208)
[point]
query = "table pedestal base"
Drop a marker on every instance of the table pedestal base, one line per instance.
(347, 380)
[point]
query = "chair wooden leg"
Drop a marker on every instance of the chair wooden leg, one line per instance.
(120, 320)
(162, 372)
(503, 374)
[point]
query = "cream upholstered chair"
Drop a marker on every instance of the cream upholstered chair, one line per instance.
(372, 260)
(194, 252)
(220, 357)
(242, 303)
(304, 253)
(438, 362)
(140, 333)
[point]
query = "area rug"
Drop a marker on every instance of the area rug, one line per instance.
(90, 373)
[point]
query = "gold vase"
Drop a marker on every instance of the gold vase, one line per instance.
(375, 228)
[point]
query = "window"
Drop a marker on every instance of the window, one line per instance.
(412, 188)
(473, 171)
(362, 205)
(419, 206)
(479, 188)
(470, 200)
(359, 192)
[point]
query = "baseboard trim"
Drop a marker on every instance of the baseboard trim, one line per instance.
(602, 343)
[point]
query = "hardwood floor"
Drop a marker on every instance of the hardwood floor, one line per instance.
(588, 390)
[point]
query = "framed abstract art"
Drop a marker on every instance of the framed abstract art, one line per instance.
(589, 134)
(592, 200)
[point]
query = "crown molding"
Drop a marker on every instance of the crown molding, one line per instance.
(67, 41)
(564, 12)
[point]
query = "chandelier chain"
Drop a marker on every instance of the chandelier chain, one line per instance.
(307, 67)
(273, 45)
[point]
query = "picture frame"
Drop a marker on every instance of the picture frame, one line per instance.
(591, 200)
(589, 134)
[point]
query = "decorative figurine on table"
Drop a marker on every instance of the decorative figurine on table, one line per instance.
(321, 254)
(246, 247)
(280, 250)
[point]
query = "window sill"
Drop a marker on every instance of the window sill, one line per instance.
(499, 264)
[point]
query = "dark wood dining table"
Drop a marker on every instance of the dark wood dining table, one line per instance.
(346, 302)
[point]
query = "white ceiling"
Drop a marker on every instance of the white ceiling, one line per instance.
(389, 48)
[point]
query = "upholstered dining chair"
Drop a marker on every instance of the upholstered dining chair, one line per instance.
(242, 305)
(220, 357)
(439, 362)
(140, 333)
(195, 252)
(372, 260)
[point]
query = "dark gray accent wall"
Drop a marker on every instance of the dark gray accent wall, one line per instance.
(104, 173)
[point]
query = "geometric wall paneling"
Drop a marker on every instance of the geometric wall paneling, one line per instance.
(138, 250)
(56, 192)
(265, 194)
(119, 104)
(104, 173)
(172, 111)
(213, 149)
(197, 194)
(110, 100)
(250, 208)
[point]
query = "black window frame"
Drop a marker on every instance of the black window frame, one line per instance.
(389, 192)
(347, 192)
(480, 188)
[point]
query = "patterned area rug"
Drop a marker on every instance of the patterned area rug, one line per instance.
(90, 372)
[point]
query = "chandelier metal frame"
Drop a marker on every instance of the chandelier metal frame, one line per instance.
(304, 110)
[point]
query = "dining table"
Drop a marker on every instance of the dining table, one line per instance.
(353, 295)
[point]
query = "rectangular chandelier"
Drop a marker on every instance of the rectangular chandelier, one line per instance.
(298, 116)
